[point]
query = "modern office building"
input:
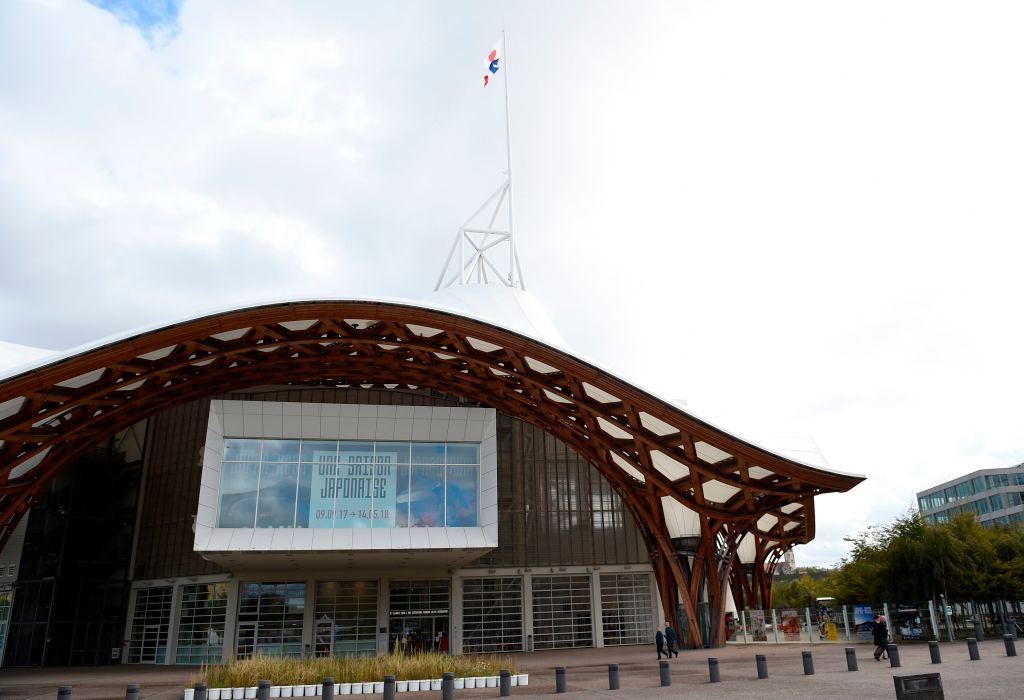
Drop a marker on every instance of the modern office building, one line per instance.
(344, 476)
(994, 496)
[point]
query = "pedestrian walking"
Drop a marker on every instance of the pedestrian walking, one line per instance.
(880, 636)
(659, 640)
(670, 640)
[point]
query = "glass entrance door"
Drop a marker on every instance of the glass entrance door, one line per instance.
(418, 615)
(419, 633)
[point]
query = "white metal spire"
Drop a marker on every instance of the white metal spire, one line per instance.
(487, 251)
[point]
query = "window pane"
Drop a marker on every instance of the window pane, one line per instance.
(238, 494)
(427, 453)
(277, 495)
(319, 451)
(462, 453)
(354, 489)
(402, 497)
(238, 450)
(303, 497)
(399, 449)
(426, 500)
(463, 487)
(385, 486)
(280, 450)
(997, 501)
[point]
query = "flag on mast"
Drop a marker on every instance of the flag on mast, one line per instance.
(493, 63)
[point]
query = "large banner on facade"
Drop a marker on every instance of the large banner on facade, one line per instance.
(863, 621)
(759, 631)
(359, 488)
(790, 625)
(909, 619)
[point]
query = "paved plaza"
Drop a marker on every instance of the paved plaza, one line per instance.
(994, 676)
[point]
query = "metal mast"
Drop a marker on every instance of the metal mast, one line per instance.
(481, 258)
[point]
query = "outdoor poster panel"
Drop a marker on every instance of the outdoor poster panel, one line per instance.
(358, 488)
(863, 621)
(759, 630)
(909, 620)
(827, 623)
(790, 624)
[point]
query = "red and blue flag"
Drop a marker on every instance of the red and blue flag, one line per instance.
(493, 63)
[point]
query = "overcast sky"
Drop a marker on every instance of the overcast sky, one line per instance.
(803, 218)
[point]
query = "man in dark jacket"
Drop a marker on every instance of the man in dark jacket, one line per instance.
(670, 639)
(659, 640)
(880, 636)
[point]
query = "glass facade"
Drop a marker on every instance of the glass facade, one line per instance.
(562, 615)
(626, 608)
(270, 619)
(151, 623)
(346, 617)
(201, 623)
(492, 615)
(348, 484)
(982, 496)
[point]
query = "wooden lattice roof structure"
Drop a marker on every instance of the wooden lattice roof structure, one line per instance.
(669, 466)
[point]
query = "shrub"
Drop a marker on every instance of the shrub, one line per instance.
(282, 670)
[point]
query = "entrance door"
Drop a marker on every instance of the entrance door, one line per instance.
(150, 643)
(419, 615)
(419, 633)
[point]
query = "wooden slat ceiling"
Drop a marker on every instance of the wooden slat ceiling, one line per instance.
(645, 447)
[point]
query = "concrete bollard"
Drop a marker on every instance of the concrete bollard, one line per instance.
(132, 692)
(933, 649)
(894, 655)
(262, 690)
(327, 688)
(713, 673)
(559, 679)
(972, 649)
(762, 665)
(504, 683)
(389, 687)
(808, 663)
(200, 691)
(613, 676)
(1011, 648)
(64, 691)
(666, 675)
(851, 659)
(447, 685)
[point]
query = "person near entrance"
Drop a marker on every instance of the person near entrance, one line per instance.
(670, 640)
(659, 641)
(880, 632)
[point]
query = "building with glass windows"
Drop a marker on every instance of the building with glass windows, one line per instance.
(351, 476)
(993, 496)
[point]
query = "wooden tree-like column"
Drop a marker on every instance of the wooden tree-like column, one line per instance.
(752, 581)
(646, 448)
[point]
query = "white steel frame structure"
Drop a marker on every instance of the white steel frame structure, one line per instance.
(480, 258)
